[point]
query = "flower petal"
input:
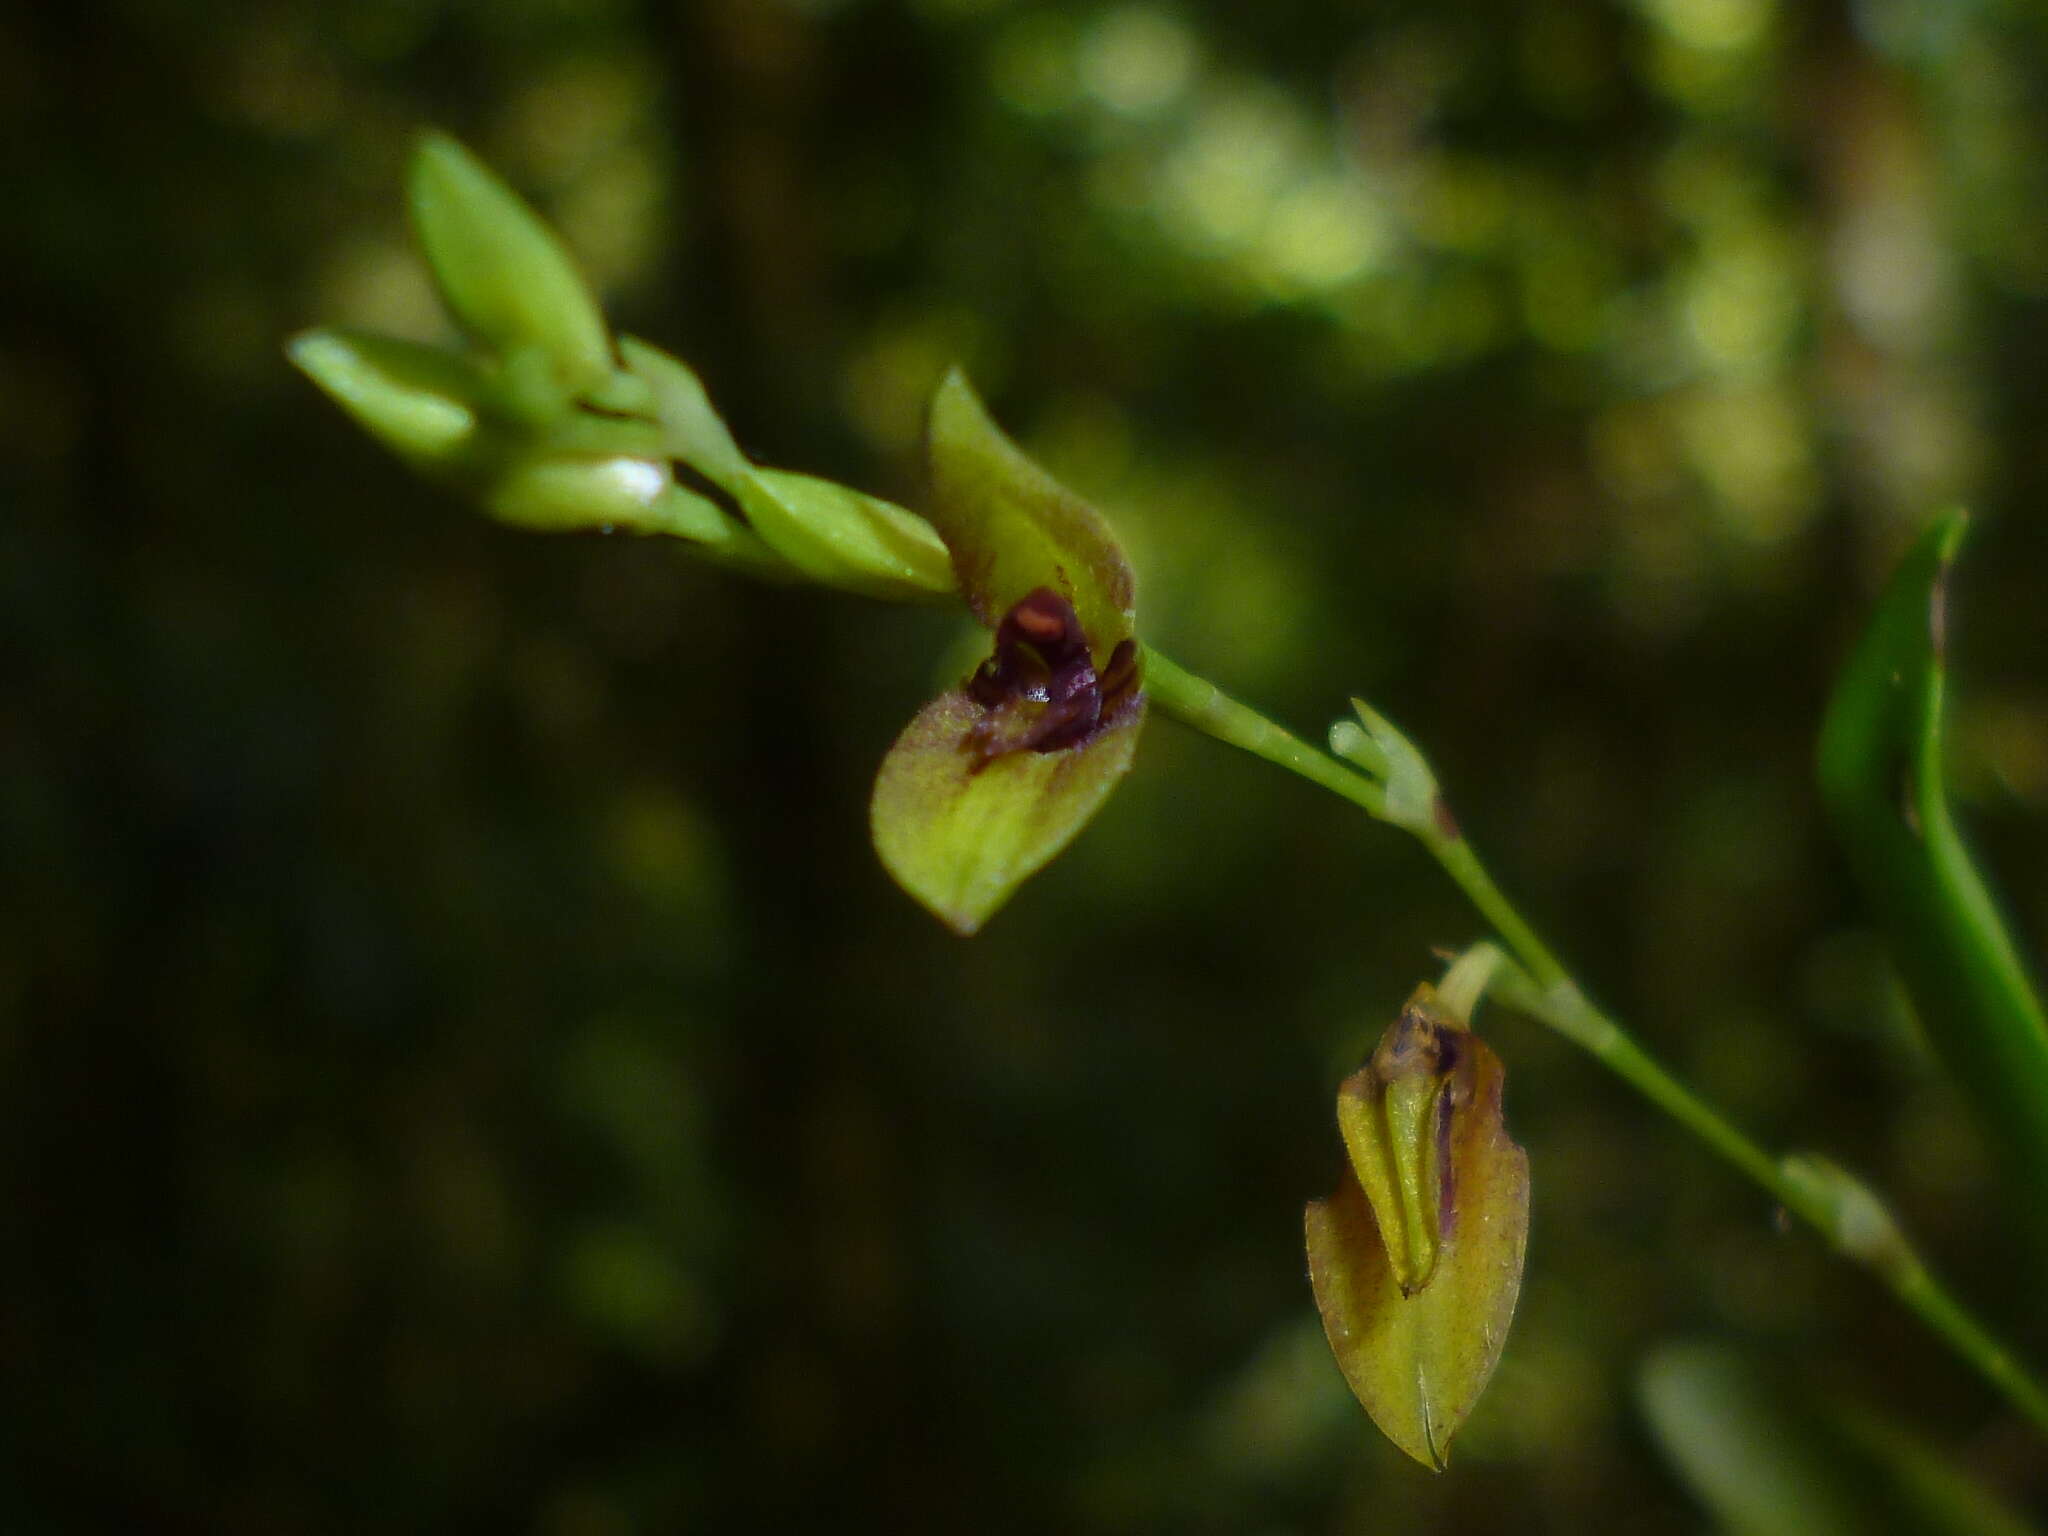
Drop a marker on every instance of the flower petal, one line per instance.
(960, 830)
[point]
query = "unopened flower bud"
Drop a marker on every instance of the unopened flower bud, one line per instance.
(566, 494)
(501, 271)
(1417, 1258)
(419, 401)
(1377, 749)
(828, 532)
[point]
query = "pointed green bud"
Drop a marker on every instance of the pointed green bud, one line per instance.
(826, 531)
(1844, 1207)
(1417, 1259)
(501, 271)
(843, 538)
(692, 430)
(718, 536)
(551, 493)
(420, 402)
(1376, 748)
(565, 495)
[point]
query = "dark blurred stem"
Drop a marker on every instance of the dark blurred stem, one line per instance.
(1536, 982)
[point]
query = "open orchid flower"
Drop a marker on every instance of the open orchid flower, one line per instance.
(547, 422)
(996, 776)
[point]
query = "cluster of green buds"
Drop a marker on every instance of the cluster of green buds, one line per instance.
(1416, 1260)
(547, 422)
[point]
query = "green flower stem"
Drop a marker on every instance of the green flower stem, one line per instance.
(1197, 702)
(1459, 860)
(1536, 982)
(1929, 1299)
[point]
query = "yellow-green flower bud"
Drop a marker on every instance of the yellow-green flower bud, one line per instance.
(419, 401)
(1372, 745)
(501, 271)
(828, 532)
(564, 495)
(1417, 1258)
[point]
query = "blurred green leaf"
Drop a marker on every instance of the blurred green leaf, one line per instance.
(1880, 767)
(1769, 1460)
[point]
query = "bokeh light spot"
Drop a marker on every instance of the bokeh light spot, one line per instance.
(1137, 60)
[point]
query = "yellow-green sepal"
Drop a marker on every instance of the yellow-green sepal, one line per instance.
(960, 831)
(1011, 528)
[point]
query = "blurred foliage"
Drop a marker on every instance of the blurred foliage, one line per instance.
(461, 1066)
(1769, 1460)
(1882, 778)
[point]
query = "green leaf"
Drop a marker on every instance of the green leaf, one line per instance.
(421, 402)
(960, 831)
(1880, 769)
(1419, 1361)
(1012, 528)
(504, 276)
(1769, 1459)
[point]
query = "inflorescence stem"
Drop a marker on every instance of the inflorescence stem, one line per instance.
(1536, 982)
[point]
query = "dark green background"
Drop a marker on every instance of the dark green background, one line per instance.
(461, 1067)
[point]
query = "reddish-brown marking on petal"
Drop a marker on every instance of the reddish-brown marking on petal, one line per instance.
(1039, 689)
(1937, 616)
(1119, 674)
(1446, 823)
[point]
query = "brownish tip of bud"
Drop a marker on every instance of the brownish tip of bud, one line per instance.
(1420, 1044)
